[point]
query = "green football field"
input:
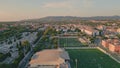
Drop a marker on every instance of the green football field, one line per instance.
(91, 58)
(70, 42)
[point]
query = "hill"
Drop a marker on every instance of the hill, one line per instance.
(70, 19)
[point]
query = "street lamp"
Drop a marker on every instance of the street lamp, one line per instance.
(76, 62)
(64, 45)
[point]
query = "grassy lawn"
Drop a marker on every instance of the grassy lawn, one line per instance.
(91, 58)
(70, 42)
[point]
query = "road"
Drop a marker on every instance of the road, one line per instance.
(80, 47)
(28, 56)
(25, 60)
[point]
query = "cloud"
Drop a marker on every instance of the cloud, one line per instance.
(65, 4)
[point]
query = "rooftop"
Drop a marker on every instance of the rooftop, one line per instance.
(49, 57)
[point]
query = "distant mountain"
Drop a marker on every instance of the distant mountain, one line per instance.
(8, 22)
(71, 18)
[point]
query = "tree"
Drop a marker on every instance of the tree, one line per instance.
(4, 56)
(77, 30)
(40, 33)
(7, 66)
(26, 46)
(10, 41)
(39, 47)
(118, 35)
(54, 41)
(92, 39)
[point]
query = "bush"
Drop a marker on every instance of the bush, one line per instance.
(4, 56)
(6, 66)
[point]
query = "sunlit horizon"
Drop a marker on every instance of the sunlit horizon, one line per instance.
(30, 9)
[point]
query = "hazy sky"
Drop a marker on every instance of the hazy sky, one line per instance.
(27, 9)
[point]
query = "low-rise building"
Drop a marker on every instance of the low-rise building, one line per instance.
(50, 58)
(105, 43)
(118, 30)
(2, 29)
(89, 30)
(101, 27)
(112, 44)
